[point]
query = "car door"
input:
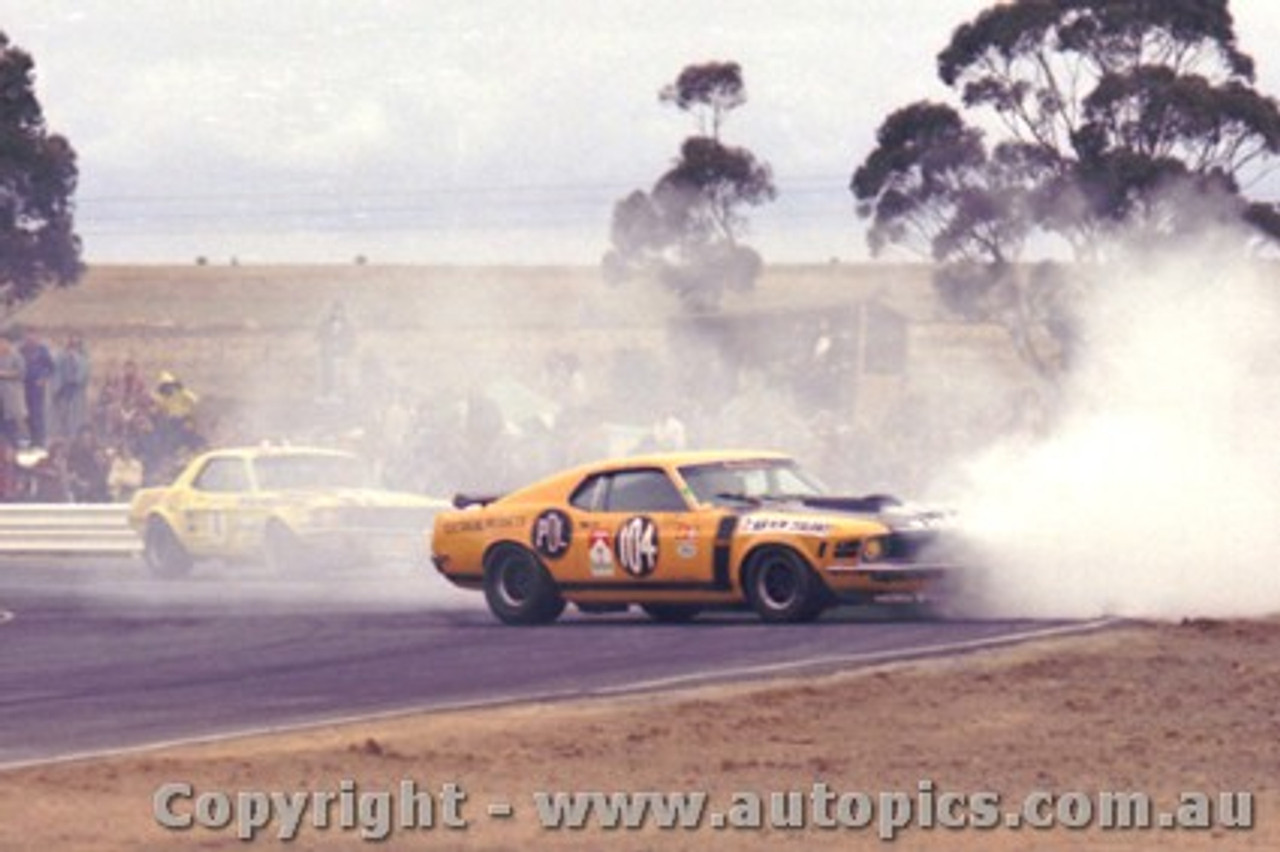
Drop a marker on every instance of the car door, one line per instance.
(210, 518)
(634, 529)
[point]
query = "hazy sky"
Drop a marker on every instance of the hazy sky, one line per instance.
(463, 130)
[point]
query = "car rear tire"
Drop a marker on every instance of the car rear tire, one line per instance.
(281, 549)
(672, 613)
(518, 588)
(782, 588)
(163, 552)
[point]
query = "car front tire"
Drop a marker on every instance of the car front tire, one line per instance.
(163, 552)
(782, 588)
(281, 549)
(518, 588)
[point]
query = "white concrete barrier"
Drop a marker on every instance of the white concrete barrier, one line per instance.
(52, 528)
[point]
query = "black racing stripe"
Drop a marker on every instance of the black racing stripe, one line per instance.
(720, 553)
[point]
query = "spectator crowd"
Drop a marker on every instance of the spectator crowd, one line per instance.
(57, 445)
(67, 435)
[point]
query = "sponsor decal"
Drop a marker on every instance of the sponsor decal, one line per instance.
(686, 541)
(600, 555)
(799, 526)
(637, 546)
(552, 533)
(463, 527)
(504, 523)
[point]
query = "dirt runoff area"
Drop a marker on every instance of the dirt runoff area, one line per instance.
(1163, 710)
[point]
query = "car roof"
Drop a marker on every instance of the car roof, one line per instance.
(658, 460)
(272, 451)
(688, 457)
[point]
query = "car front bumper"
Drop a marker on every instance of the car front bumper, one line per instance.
(889, 581)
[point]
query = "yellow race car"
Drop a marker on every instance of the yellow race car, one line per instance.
(678, 533)
(289, 507)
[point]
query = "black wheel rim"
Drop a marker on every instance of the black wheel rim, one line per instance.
(515, 582)
(778, 584)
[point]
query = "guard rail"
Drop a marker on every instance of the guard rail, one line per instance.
(80, 528)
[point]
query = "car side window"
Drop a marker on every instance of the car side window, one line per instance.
(222, 476)
(588, 495)
(643, 491)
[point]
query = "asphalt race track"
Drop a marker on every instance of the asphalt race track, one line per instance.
(95, 656)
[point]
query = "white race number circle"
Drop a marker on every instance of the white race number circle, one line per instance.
(637, 546)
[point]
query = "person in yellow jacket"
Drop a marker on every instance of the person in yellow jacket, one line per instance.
(173, 400)
(175, 419)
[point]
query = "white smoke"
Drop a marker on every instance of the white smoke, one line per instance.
(253, 589)
(1157, 492)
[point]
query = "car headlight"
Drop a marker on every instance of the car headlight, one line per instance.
(873, 549)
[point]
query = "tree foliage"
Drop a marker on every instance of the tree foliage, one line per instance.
(38, 245)
(712, 89)
(685, 231)
(1111, 117)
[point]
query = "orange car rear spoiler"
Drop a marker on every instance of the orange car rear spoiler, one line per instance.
(462, 501)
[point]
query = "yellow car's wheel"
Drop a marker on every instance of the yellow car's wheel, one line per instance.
(782, 588)
(281, 549)
(518, 588)
(163, 552)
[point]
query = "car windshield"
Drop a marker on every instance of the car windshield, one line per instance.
(299, 471)
(749, 481)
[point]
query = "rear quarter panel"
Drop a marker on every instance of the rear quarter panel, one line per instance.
(460, 539)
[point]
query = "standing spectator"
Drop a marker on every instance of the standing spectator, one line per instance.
(336, 338)
(106, 410)
(124, 477)
(87, 468)
(175, 411)
(70, 387)
(12, 482)
(144, 442)
(133, 400)
(172, 399)
(133, 388)
(13, 401)
(50, 480)
(122, 394)
(483, 427)
(38, 370)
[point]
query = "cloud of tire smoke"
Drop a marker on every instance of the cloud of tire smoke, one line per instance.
(1156, 493)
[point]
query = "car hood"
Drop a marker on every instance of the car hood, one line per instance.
(824, 515)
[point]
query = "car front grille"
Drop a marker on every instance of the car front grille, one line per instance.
(908, 546)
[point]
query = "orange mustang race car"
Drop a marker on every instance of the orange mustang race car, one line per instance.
(679, 533)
